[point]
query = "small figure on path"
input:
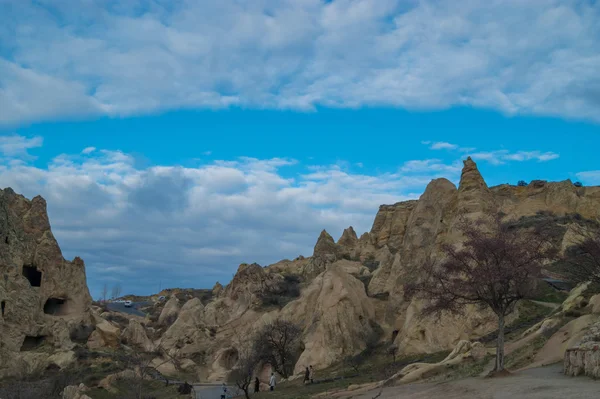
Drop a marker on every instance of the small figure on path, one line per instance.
(306, 376)
(311, 375)
(256, 385)
(272, 382)
(224, 394)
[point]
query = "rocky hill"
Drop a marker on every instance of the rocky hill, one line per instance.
(44, 298)
(346, 295)
(351, 291)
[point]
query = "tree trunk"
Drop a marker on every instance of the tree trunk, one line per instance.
(500, 345)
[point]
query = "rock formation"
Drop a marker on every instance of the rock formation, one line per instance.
(347, 294)
(352, 290)
(43, 297)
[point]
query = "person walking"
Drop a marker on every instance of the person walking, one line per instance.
(272, 382)
(311, 375)
(306, 376)
(256, 385)
(224, 394)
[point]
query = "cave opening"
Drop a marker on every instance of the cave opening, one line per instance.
(3, 306)
(56, 307)
(32, 341)
(32, 274)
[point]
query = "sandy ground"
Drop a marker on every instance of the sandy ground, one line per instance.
(540, 383)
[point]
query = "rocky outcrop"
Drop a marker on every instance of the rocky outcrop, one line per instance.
(135, 335)
(75, 392)
(390, 224)
(169, 312)
(464, 351)
(354, 289)
(325, 247)
(43, 297)
(217, 289)
(474, 197)
(583, 360)
(187, 335)
(337, 317)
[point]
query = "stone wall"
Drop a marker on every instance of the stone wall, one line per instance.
(583, 360)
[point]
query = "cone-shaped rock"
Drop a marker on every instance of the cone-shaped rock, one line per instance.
(349, 239)
(325, 245)
(474, 196)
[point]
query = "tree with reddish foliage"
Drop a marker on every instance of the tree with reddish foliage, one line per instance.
(497, 266)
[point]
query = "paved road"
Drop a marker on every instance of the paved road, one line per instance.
(539, 383)
(206, 391)
(120, 307)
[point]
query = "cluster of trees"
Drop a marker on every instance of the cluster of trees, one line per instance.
(277, 344)
(114, 293)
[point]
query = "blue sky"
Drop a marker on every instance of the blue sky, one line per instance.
(174, 140)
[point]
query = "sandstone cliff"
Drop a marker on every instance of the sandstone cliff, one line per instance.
(351, 290)
(43, 297)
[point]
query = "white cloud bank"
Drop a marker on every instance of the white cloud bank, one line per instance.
(192, 226)
(63, 59)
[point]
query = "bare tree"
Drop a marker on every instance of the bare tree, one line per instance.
(497, 267)
(116, 291)
(278, 343)
(243, 372)
(141, 363)
(104, 292)
(582, 259)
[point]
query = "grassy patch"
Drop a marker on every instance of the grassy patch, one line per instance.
(523, 356)
(530, 313)
(545, 293)
(463, 370)
(151, 389)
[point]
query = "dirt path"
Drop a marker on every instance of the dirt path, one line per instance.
(541, 383)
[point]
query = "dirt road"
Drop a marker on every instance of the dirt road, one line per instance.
(541, 383)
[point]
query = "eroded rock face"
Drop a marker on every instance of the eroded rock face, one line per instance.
(42, 295)
(169, 312)
(135, 335)
(337, 317)
(336, 311)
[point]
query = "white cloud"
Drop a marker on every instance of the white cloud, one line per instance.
(442, 145)
(88, 150)
(502, 156)
(535, 57)
(590, 177)
(16, 145)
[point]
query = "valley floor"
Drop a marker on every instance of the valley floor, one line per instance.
(539, 383)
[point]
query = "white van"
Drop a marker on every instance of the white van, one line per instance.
(128, 304)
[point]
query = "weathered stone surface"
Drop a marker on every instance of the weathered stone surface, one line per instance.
(390, 224)
(583, 360)
(337, 317)
(217, 289)
(348, 240)
(135, 335)
(106, 334)
(463, 352)
(187, 335)
(169, 312)
(334, 309)
(43, 296)
(75, 392)
(326, 247)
